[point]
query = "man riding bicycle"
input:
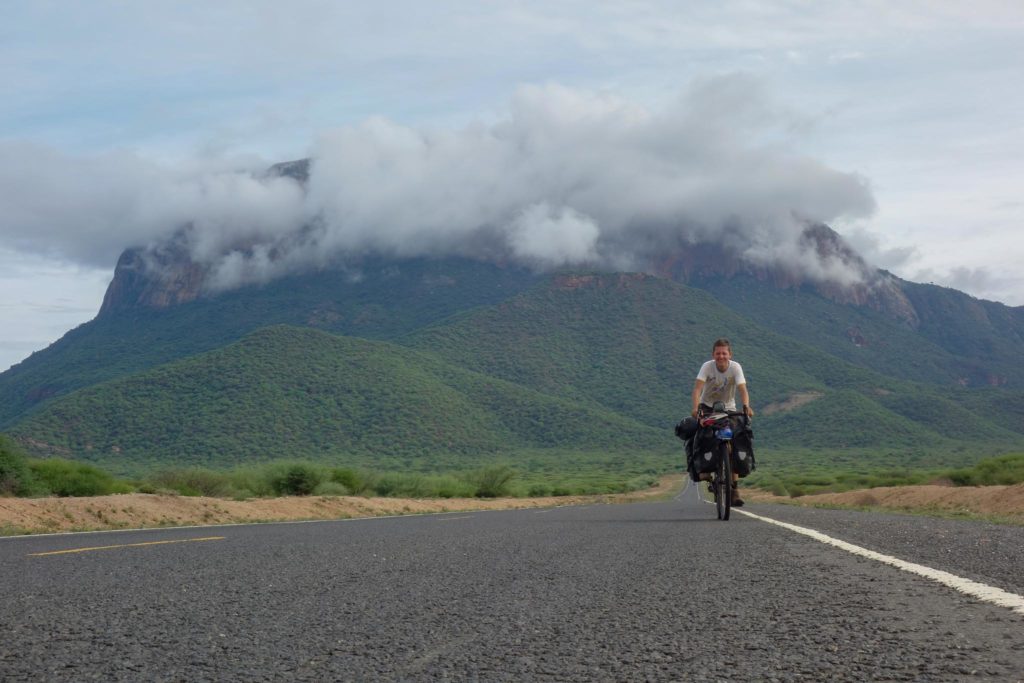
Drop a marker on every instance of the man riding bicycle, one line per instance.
(720, 380)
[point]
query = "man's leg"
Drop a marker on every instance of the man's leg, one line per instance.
(736, 500)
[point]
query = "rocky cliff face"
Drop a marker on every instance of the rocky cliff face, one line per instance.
(164, 275)
(153, 277)
(876, 289)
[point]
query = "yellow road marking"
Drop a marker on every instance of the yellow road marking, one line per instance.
(448, 519)
(125, 545)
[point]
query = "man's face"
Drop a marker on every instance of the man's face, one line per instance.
(722, 356)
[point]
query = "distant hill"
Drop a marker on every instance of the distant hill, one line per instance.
(287, 392)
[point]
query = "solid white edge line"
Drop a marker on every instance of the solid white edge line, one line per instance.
(981, 591)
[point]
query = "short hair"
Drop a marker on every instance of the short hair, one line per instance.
(721, 342)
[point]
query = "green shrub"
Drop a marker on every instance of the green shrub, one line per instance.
(400, 485)
(193, 481)
(249, 481)
(451, 487)
(295, 478)
(68, 478)
(538, 491)
(352, 480)
(491, 482)
(1006, 470)
(16, 477)
(331, 488)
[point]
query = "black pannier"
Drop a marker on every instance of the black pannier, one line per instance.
(700, 453)
(743, 451)
(701, 449)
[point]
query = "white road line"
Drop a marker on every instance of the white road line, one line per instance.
(981, 591)
(679, 496)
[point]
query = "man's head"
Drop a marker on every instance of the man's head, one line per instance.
(721, 351)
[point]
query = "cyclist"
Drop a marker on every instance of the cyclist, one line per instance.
(721, 379)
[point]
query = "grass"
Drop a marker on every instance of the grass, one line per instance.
(535, 473)
(917, 512)
(308, 478)
(1001, 470)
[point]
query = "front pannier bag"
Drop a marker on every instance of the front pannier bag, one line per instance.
(704, 447)
(743, 452)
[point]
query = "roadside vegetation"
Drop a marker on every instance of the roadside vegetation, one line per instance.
(28, 477)
(792, 475)
(1001, 470)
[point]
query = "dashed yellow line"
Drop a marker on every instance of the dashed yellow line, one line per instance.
(125, 545)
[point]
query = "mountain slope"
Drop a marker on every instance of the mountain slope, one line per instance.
(160, 307)
(286, 392)
(580, 363)
(375, 299)
(632, 344)
(955, 340)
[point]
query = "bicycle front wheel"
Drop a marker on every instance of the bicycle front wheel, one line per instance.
(724, 482)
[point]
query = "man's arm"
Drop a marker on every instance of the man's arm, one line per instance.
(741, 389)
(698, 386)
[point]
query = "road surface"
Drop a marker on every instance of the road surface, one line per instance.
(650, 591)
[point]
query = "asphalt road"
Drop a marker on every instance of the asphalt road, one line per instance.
(654, 591)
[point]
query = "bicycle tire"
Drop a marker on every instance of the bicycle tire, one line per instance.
(725, 484)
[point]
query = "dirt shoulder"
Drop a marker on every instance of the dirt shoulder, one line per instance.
(141, 510)
(1004, 503)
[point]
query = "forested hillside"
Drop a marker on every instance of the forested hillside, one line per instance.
(285, 392)
(375, 299)
(578, 368)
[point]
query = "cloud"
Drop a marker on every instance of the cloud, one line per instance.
(980, 282)
(871, 247)
(573, 176)
(565, 177)
(553, 236)
(86, 210)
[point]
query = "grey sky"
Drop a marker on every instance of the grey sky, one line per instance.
(918, 99)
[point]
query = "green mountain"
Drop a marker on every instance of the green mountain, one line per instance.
(287, 392)
(578, 364)
(950, 338)
(137, 329)
(632, 344)
(463, 360)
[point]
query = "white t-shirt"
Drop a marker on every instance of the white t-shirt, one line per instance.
(720, 386)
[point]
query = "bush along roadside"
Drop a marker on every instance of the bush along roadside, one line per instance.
(25, 477)
(16, 478)
(1005, 470)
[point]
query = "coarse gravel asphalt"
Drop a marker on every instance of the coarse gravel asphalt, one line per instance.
(640, 592)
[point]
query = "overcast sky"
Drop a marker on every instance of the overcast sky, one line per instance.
(902, 124)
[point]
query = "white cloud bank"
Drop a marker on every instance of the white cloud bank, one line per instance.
(565, 177)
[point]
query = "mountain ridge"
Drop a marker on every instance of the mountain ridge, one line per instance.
(591, 362)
